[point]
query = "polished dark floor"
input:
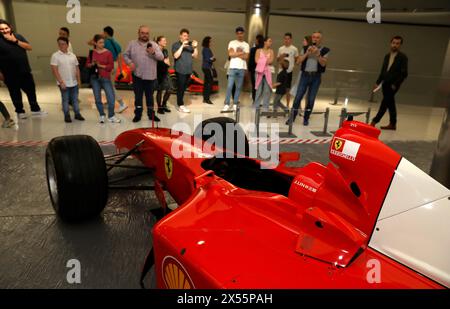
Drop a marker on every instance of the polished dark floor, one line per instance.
(35, 246)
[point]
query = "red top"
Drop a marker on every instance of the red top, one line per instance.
(104, 58)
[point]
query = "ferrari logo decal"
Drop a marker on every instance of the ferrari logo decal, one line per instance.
(338, 144)
(168, 166)
(345, 149)
(175, 275)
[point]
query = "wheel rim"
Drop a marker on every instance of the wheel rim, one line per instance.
(52, 181)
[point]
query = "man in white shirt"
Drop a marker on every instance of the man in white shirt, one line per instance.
(238, 51)
(290, 53)
(64, 66)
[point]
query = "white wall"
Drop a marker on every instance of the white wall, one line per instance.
(354, 45)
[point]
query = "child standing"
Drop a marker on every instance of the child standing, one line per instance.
(282, 85)
(64, 66)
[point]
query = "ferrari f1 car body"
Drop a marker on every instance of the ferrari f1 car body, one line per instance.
(368, 219)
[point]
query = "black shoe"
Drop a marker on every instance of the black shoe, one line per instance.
(137, 118)
(79, 117)
(67, 119)
(161, 111)
(305, 122)
(166, 109)
(154, 117)
(207, 102)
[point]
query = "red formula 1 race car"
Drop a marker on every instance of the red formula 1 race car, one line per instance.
(368, 219)
(195, 85)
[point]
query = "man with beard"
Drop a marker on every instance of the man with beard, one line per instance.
(142, 56)
(393, 72)
(17, 71)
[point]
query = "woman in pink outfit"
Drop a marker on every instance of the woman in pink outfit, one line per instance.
(264, 58)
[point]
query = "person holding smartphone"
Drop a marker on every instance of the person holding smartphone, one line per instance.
(288, 52)
(102, 60)
(184, 51)
(142, 56)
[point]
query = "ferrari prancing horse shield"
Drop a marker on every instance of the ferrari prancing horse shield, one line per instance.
(338, 144)
(168, 166)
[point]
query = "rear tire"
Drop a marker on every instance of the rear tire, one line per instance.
(76, 177)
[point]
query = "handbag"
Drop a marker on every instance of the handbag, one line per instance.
(93, 70)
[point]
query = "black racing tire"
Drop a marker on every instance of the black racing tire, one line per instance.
(239, 135)
(77, 178)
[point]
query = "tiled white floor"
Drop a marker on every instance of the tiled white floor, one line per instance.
(415, 123)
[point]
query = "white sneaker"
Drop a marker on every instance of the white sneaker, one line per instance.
(184, 109)
(8, 123)
(114, 119)
(21, 116)
(226, 108)
(102, 119)
(234, 107)
(39, 113)
(122, 108)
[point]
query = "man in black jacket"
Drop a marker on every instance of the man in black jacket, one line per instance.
(16, 70)
(393, 73)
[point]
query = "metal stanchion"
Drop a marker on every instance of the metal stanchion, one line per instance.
(289, 133)
(326, 115)
(345, 114)
(368, 115)
(275, 114)
(336, 97)
(237, 113)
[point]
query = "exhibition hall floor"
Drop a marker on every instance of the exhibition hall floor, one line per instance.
(414, 122)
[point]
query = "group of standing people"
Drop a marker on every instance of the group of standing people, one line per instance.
(149, 62)
(261, 61)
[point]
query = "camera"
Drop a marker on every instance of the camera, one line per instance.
(190, 43)
(149, 45)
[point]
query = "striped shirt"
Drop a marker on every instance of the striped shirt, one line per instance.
(146, 64)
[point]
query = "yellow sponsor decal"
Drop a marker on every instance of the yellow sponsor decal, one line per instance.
(175, 275)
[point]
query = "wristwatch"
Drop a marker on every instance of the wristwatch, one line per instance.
(16, 42)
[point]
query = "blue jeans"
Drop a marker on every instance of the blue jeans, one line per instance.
(235, 76)
(311, 83)
(70, 94)
(97, 85)
(263, 94)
